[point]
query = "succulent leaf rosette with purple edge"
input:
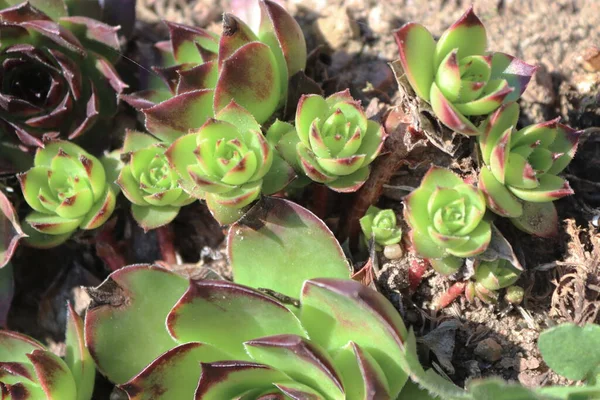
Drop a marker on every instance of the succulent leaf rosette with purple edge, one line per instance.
(215, 339)
(519, 175)
(332, 143)
(57, 74)
(227, 162)
(28, 370)
(149, 182)
(67, 189)
(204, 72)
(445, 215)
(456, 75)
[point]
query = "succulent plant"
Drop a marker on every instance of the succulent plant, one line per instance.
(228, 162)
(29, 371)
(217, 339)
(205, 72)
(332, 143)
(445, 215)
(149, 182)
(522, 166)
(456, 76)
(10, 230)
(58, 77)
(491, 276)
(67, 189)
(381, 226)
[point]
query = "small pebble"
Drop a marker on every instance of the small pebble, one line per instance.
(489, 350)
(393, 251)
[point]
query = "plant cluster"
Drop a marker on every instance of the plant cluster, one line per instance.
(216, 132)
(474, 92)
(308, 336)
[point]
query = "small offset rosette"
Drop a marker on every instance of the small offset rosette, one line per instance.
(68, 190)
(150, 183)
(333, 142)
(381, 226)
(456, 75)
(446, 219)
(519, 177)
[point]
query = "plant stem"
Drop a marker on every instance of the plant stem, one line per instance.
(382, 171)
(453, 293)
(166, 236)
(108, 249)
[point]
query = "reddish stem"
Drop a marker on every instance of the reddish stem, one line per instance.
(382, 171)
(107, 249)
(416, 270)
(318, 203)
(453, 293)
(166, 237)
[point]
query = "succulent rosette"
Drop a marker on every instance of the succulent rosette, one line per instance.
(521, 166)
(149, 182)
(57, 76)
(205, 72)
(228, 162)
(446, 218)
(491, 276)
(381, 225)
(332, 143)
(67, 188)
(456, 76)
(30, 371)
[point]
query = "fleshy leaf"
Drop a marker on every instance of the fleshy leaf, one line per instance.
(173, 118)
(539, 219)
(467, 35)
(173, 375)
(77, 357)
(10, 230)
(208, 310)
(152, 217)
(301, 360)
(115, 315)
(277, 234)
(250, 76)
(417, 49)
(229, 379)
(335, 312)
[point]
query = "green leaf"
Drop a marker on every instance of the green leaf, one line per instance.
(467, 35)
(251, 78)
(53, 374)
(173, 375)
(135, 141)
(498, 198)
(10, 230)
(51, 224)
(77, 357)
(223, 214)
(497, 389)
(363, 378)
(417, 49)
(539, 219)
(279, 235)
(125, 304)
(279, 176)
(229, 379)
(571, 351)
(209, 309)
(335, 312)
(53, 8)
(152, 217)
(302, 360)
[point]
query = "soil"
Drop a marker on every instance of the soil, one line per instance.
(355, 46)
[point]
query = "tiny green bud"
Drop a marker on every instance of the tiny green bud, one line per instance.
(514, 294)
